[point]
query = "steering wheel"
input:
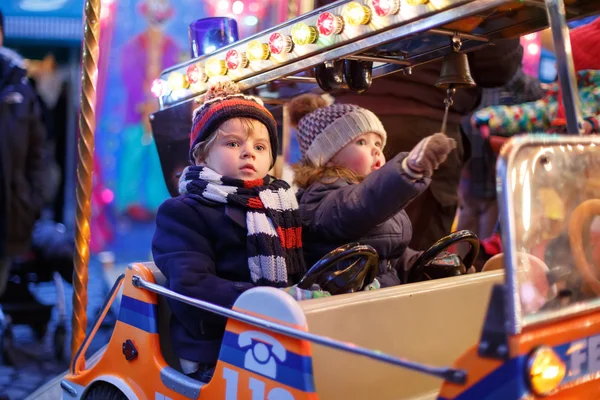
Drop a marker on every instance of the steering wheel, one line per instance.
(580, 220)
(417, 272)
(336, 279)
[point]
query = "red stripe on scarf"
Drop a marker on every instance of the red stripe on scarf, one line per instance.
(290, 237)
(255, 202)
(254, 183)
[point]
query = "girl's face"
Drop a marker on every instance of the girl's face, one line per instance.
(362, 155)
(242, 150)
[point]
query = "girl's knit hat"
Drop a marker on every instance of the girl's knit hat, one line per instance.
(224, 101)
(323, 128)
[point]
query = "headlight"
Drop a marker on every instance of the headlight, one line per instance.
(545, 370)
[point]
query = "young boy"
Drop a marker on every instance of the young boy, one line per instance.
(232, 228)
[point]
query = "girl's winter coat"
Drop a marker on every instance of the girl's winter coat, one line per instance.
(371, 212)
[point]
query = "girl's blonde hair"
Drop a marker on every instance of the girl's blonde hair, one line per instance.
(306, 173)
(201, 150)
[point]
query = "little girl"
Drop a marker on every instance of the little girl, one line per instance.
(347, 191)
(232, 228)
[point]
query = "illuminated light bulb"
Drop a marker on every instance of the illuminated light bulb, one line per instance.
(357, 14)
(235, 59)
(193, 74)
(223, 5)
(546, 370)
(280, 44)
(251, 20)
(329, 24)
(160, 88)
(304, 34)
(104, 12)
(177, 81)
(257, 51)
(237, 7)
(215, 67)
(383, 8)
(533, 49)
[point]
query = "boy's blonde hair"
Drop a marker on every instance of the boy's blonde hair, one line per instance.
(201, 150)
(306, 173)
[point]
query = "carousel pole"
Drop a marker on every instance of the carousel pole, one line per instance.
(564, 62)
(85, 146)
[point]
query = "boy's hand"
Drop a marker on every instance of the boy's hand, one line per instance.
(429, 153)
(302, 294)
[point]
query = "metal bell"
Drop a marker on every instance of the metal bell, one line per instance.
(455, 72)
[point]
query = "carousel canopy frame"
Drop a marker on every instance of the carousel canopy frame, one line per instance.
(415, 35)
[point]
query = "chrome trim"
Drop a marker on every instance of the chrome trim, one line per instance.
(107, 303)
(181, 383)
(461, 35)
(564, 65)
(448, 374)
(389, 60)
(68, 388)
(301, 79)
(512, 306)
(565, 312)
(515, 320)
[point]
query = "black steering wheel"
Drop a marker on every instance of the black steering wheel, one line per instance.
(337, 278)
(417, 273)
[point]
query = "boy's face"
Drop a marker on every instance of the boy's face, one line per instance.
(242, 150)
(362, 155)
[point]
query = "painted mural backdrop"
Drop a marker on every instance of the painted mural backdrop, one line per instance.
(139, 39)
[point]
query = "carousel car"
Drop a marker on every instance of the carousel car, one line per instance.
(529, 330)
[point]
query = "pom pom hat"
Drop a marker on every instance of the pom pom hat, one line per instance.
(323, 129)
(224, 101)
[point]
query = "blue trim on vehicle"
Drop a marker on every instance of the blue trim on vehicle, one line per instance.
(138, 313)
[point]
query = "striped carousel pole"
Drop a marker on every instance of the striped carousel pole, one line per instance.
(87, 128)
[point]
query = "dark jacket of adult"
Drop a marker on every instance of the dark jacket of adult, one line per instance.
(22, 141)
(370, 212)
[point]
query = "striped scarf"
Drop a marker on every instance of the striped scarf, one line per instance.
(274, 240)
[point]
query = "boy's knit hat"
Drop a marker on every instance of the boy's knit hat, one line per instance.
(224, 101)
(323, 129)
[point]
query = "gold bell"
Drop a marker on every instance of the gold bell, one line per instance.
(455, 72)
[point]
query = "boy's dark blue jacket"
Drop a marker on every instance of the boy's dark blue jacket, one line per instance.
(200, 247)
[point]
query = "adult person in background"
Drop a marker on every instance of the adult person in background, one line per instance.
(412, 108)
(478, 206)
(22, 167)
(52, 89)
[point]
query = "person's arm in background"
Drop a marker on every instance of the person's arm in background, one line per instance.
(36, 162)
(513, 120)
